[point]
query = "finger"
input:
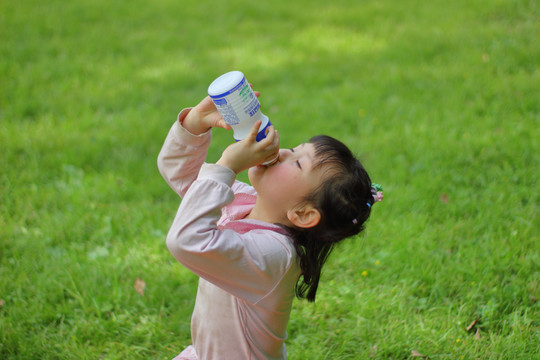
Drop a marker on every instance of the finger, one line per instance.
(257, 94)
(207, 102)
(271, 134)
(274, 147)
(276, 140)
(271, 147)
(254, 130)
(273, 151)
(268, 139)
(224, 125)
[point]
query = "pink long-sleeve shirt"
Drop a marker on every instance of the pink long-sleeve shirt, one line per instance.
(247, 268)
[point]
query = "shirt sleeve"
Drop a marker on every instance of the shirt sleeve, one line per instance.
(246, 265)
(182, 155)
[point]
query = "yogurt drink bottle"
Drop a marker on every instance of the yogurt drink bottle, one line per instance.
(238, 106)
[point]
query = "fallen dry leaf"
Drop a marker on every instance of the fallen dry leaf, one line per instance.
(2, 303)
(139, 286)
(444, 198)
(472, 324)
(415, 353)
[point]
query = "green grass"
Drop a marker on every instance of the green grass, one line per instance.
(440, 100)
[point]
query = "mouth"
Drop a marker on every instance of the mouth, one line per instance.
(271, 163)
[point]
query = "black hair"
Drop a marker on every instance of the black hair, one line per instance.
(342, 199)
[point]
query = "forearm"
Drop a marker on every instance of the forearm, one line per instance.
(182, 155)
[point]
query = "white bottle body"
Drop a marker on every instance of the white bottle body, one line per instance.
(238, 105)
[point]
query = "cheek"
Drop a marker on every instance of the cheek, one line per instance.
(284, 183)
(281, 173)
(274, 180)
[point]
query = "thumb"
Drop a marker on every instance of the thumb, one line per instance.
(222, 124)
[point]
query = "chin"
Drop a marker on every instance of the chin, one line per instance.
(254, 174)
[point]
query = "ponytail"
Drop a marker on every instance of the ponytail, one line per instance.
(312, 256)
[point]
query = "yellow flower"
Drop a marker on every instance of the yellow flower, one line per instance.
(365, 273)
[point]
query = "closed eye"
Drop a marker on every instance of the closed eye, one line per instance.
(297, 162)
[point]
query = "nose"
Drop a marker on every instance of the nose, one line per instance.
(283, 154)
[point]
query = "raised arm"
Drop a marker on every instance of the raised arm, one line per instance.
(182, 155)
(186, 145)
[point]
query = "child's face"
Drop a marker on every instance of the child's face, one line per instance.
(283, 186)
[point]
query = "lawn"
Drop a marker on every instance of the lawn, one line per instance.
(440, 100)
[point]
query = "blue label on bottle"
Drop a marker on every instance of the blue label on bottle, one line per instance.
(262, 133)
(222, 101)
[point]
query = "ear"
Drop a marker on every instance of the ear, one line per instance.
(304, 216)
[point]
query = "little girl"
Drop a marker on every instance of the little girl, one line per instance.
(256, 247)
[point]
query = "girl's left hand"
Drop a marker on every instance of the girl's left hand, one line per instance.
(244, 154)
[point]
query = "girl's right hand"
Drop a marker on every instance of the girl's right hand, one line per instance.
(205, 116)
(244, 154)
